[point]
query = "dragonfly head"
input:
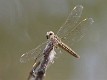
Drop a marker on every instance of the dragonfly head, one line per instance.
(49, 35)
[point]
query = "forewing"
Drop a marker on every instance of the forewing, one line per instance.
(79, 31)
(71, 21)
(33, 54)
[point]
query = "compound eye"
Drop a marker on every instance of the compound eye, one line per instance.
(50, 34)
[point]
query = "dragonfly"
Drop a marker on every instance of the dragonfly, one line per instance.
(72, 31)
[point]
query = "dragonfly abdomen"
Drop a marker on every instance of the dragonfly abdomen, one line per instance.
(68, 49)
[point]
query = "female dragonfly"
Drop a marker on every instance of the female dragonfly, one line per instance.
(71, 31)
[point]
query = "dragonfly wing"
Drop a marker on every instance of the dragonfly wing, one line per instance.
(79, 31)
(33, 54)
(71, 21)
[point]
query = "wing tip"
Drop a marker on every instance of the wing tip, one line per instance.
(78, 6)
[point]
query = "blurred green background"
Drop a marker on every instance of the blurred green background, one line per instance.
(23, 25)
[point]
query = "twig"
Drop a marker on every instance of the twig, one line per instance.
(39, 68)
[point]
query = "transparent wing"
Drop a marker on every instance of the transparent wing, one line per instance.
(71, 21)
(79, 31)
(33, 54)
